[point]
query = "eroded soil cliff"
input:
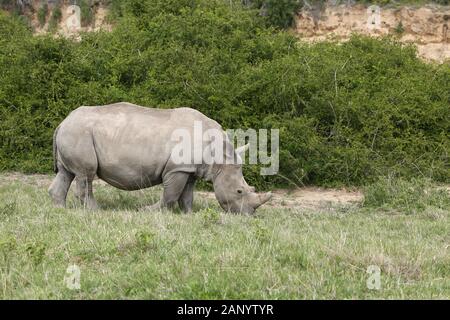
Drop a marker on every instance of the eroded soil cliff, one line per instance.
(426, 26)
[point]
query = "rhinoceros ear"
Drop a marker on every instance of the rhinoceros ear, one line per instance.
(241, 150)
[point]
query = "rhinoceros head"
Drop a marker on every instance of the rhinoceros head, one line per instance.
(232, 191)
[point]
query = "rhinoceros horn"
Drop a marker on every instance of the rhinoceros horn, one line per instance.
(261, 199)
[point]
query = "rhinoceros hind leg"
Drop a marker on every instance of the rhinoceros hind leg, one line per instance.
(187, 196)
(79, 191)
(60, 186)
(84, 192)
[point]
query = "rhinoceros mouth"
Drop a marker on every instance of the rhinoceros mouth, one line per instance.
(246, 205)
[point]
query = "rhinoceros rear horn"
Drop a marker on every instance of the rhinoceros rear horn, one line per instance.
(263, 198)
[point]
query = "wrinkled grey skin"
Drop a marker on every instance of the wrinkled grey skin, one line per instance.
(129, 147)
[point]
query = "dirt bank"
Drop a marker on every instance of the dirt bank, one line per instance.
(426, 26)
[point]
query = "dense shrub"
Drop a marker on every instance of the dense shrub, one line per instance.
(409, 196)
(55, 18)
(278, 13)
(347, 112)
(16, 6)
(42, 14)
(86, 12)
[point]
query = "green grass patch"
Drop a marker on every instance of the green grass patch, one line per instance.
(123, 252)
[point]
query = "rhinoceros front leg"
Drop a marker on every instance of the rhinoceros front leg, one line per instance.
(187, 196)
(173, 184)
(84, 192)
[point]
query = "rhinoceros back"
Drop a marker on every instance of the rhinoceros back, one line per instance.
(126, 145)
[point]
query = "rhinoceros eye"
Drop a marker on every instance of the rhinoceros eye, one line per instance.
(239, 191)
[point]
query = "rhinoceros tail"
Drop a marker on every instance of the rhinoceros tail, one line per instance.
(55, 151)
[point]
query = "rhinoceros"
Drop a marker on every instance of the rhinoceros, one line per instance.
(131, 147)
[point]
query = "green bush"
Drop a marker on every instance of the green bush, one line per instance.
(87, 15)
(399, 29)
(14, 6)
(55, 18)
(278, 13)
(42, 14)
(347, 113)
(409, 196)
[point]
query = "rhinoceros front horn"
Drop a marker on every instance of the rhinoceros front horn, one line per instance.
(263, 198)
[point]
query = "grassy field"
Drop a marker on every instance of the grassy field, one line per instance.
(126, 253)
